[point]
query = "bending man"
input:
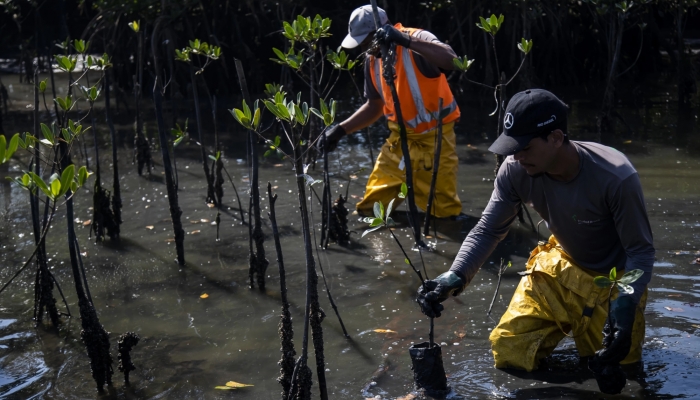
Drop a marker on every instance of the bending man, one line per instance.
(591, 199)
(420, 60)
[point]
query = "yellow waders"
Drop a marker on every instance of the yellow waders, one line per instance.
(384, 184)
(556, 299)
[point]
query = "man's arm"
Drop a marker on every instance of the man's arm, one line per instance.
(433, 50)
(632, 224)
(492, 227)
(365, 116)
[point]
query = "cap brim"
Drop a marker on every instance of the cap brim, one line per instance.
(350, 42)
(508, 145)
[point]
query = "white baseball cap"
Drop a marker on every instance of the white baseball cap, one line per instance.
(362, 24)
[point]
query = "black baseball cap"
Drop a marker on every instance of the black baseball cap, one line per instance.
(528, 115)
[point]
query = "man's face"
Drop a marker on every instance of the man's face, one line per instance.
(538, 156)
(365, 45)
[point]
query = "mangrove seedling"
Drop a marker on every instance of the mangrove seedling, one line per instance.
(142, 148)
(257, 263)
(209, 53)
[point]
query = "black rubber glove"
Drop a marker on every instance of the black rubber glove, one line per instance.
(617, 339)
(617, 342)
(388, 34)
(433, 292)
(333, 135)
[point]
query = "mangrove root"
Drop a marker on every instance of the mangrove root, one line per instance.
(126, 342)
(96, 340)
(338, 229)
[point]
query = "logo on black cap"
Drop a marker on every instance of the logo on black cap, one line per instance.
(508, 121)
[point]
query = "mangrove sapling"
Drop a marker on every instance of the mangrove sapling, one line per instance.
(116, 187)
(175, 212)
(610, 377)
(257, 261)
(501, 270)
(285, 328)
(308, 33)
(43, 292)
(142, 147)
(210, 53)
(491, 26)
(295, 115)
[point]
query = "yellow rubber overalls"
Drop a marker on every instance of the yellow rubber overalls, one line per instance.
(556, 299)
(384, 183)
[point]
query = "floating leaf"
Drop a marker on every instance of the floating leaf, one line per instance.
(204, 296)
(384, 331)
(233, 384)
(674, 309)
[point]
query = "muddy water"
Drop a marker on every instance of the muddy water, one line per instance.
(190, 344)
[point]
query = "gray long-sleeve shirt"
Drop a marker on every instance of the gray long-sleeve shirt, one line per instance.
(598, 217)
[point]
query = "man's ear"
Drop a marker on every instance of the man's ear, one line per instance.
(557, 136)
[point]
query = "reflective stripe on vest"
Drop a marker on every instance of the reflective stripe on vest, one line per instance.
(421, 118)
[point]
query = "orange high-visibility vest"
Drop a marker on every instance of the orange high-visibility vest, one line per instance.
(418, 95)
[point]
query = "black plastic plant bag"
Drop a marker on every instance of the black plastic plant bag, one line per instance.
(428, 371)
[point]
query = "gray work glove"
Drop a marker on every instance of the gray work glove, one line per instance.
(330, 142)
(435, 291)
(388, 34)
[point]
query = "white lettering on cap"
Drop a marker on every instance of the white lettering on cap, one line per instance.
(547, 122)
(508, 121)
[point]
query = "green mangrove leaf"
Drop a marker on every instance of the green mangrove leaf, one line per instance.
(370, 230)
(134, 25)
(26, 180)
(404, 190)
(378, 210)
(389, 207)
(624, 288)
(390, 221)
(631, 276)
(42, 86)
(14, 143)
(83, 175)
(67, 176)
(613, 274)
(3, 142)
(55, 188)
(48, 133)
(376, 222)
(602, 282)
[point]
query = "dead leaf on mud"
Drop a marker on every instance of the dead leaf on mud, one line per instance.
(279, 165)
(195, 232)
(210, 205)
(461, 335)
(384, 331)
(170, 240)
(88, 222)
(695, 326)
(149, 227)
(204, 220)
(673, 295)
(204, 296)
(696, 261)
(674, 309)
(194, 221)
